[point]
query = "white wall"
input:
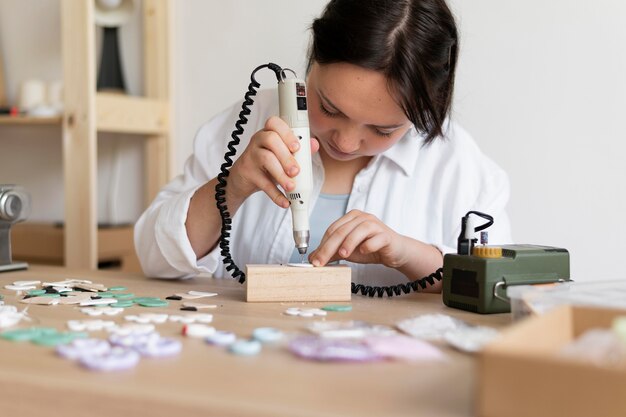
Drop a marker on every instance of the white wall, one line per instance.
(220, 43)
(540, 86)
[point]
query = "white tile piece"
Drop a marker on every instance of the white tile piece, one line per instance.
(66, 283)
(267, 334)
(305, 312)
(182, 319)
(10, 319)
(99, 311)
(199, 306)
(90, 287)
(314, 311)
(348, 329)
(147, 318)
(9, 316)
(99, 301)
(187, 296)
(75, 299)
(20, 287)
(26, 283)
(471, 338)
(55, 284)
(132, 328)
(202, 293)
(90, 325)
(430, 326)
(50, 301)
(292, 311)
(300, 265)
(221, 338)
(192, 318)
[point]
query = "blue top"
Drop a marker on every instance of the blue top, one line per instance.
(328, 209)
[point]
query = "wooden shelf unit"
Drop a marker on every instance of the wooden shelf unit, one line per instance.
(30, 121)
(86, 113)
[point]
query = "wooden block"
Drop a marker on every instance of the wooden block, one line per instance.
(271, 283)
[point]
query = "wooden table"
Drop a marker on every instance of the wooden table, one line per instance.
(208, 381)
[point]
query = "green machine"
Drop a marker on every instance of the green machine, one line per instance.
(477, 282)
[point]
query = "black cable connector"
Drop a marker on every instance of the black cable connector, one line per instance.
(464, 244)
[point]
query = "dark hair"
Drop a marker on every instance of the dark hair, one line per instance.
(413, 42)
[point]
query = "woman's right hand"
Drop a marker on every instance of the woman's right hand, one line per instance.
(267, 162)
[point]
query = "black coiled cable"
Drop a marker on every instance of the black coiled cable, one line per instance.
(399, 289)
(220, 187)
(220, 198)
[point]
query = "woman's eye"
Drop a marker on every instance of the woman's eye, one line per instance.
(329, 113)
(381, 133)
(326, 111)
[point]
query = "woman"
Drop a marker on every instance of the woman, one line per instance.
(393, 175)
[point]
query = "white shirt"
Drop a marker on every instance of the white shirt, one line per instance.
(418, 191)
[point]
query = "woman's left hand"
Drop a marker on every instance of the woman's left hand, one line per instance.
(361, 238)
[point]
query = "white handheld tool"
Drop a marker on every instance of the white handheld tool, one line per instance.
(292, 102)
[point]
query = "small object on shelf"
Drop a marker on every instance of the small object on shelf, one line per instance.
(37, 99)
(110, 14)
(32, 94)
(14, 207)
(9, 110)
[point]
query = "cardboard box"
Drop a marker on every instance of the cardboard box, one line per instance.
(520, 374)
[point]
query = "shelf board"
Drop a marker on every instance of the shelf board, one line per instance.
(115, 113)
(30, 120)
(44, 241)
(120, 113)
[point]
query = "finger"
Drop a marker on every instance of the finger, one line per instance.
(278, 125)
(374, 243)
(346, 218)
(325, 252)
(315, 145)
(269, 188)
(358, 235)
(314, 254)
(330, 247)
(268, 162)
(312, 258)
(272, 142)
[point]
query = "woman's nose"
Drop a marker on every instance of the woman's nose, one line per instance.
(347, 141)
